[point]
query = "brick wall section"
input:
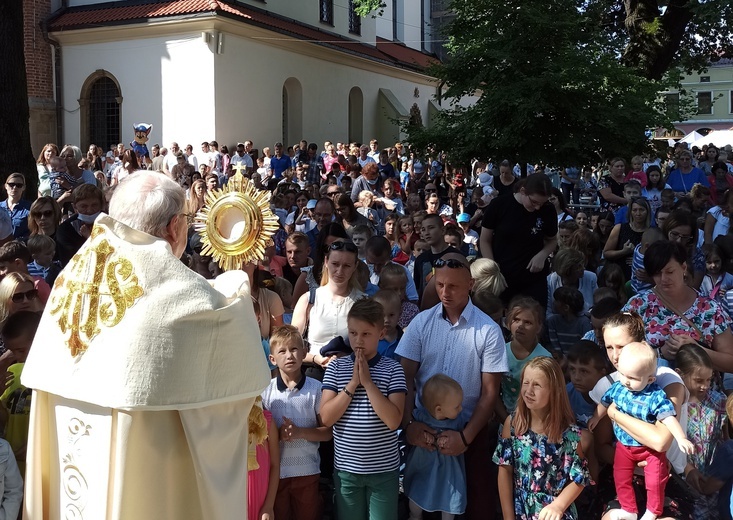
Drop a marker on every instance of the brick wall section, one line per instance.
(38, 61)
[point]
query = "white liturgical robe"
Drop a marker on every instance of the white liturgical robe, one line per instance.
(143, 375)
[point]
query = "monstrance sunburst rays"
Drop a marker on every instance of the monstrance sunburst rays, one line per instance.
(235, 223)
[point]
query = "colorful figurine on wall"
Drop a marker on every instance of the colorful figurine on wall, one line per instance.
(142, 131)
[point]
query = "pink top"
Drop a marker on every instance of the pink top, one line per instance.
(258, 479)
(328, 161)
(639, 176)
(276, 265)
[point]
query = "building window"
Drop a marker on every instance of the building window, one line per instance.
(326, 10)
(704, 103)
(704, 79)
(354, 19)
(104, 113)
(672, 103)
(730, 102)
(100, 104)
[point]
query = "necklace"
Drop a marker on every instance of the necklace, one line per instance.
(682, 178)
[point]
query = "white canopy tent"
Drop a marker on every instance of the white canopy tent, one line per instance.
(691, 137)
(719, 138)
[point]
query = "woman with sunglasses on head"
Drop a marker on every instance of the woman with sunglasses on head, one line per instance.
(310, 276)
(520, 232)
(320, 315)
(16, 209)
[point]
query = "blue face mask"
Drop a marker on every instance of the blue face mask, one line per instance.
(88, 219)
(372, 182)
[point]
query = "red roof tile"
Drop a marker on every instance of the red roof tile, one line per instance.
(109, 14)
(404, 54)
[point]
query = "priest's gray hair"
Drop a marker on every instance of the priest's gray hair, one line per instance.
(147, 201)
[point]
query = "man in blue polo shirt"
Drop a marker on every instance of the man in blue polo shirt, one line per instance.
(457, 339)
(278, 164)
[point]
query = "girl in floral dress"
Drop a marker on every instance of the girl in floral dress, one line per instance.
(705, 419)
(542, 466)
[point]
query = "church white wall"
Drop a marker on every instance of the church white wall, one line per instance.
(190, 93)
(162, 81)
(250, 98)
(307, 11)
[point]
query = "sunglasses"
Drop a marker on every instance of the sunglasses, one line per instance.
(450, 264)
(430, 191)
(28, 295)
(343, 246)
(45, 214)
(15, 185)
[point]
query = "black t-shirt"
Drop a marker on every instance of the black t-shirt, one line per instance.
(504, 189)
(290, 275)
(518, 234)
(424, 265)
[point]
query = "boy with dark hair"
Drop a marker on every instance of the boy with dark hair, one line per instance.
(454, 237)
(432, 231)
(567, 325)
(378, 255)
(603, 309)
(294, 401)
(587, 364)
(632, 190)
(364, 399)
(14, 258)
(639, 280)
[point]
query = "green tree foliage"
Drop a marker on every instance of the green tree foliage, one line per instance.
(369, 7)
(655, 36)
(549, 86)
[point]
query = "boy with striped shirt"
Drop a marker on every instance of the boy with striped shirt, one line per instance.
(364, 398)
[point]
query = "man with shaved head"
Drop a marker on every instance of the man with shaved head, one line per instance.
(455, 338)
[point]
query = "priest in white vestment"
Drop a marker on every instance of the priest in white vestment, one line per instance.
(143, 375)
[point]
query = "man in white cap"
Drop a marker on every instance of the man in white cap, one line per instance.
(143, 374)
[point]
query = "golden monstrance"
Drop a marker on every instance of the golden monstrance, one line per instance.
(236, 223)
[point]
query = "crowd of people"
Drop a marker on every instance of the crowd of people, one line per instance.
(462, 340)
